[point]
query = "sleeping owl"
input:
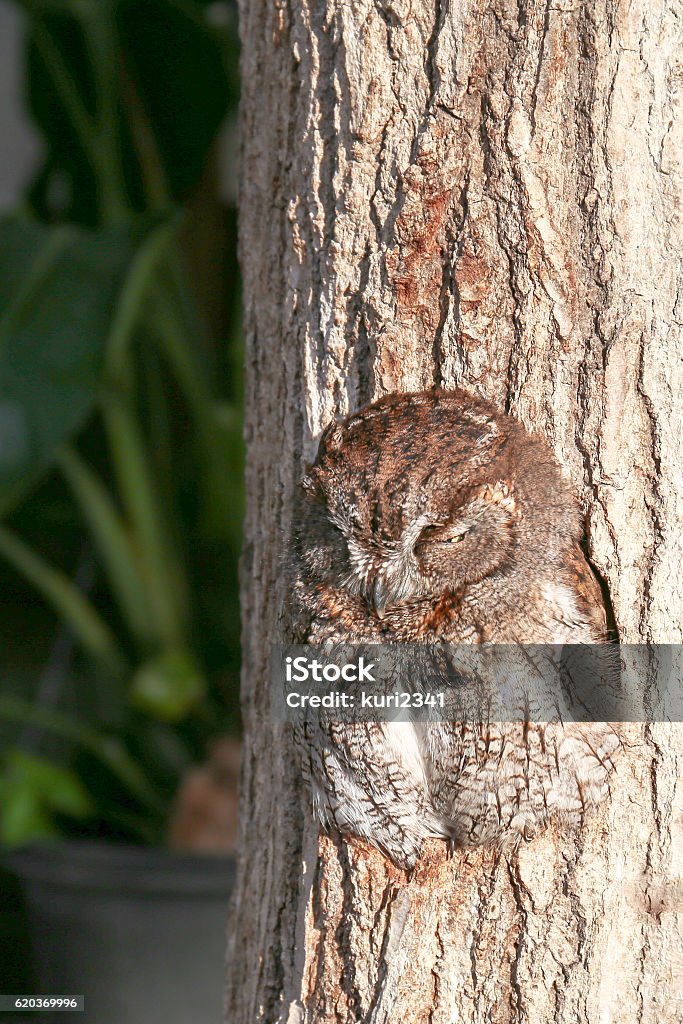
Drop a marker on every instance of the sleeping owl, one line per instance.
(433, 518)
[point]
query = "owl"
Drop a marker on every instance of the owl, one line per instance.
(433, 518)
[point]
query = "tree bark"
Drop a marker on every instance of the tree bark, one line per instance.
(485, 195)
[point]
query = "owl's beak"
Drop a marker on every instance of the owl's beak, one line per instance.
(380, 596)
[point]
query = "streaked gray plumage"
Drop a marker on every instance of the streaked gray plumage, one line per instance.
(432, 517)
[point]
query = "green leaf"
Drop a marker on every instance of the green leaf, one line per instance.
(168, 687)
(32, 791)
(168, 77)
(57, 787)
(109, 750)
(61, 592)
(57, 289)
(23, 819)
(113, 543)
(165, 584)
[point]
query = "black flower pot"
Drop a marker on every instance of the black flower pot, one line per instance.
(139, 932)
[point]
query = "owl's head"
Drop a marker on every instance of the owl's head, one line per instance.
(421, 494)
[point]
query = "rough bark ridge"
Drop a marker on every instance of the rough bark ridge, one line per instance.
(442, 192)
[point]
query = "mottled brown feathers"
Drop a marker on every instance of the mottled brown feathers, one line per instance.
(433, 517)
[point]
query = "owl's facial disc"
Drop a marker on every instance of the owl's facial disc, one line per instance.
(433, 554)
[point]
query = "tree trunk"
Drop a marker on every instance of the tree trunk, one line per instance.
(486, 195)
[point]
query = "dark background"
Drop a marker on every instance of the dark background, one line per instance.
(120, 417)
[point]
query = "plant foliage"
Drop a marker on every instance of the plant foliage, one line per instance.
(105, 392)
